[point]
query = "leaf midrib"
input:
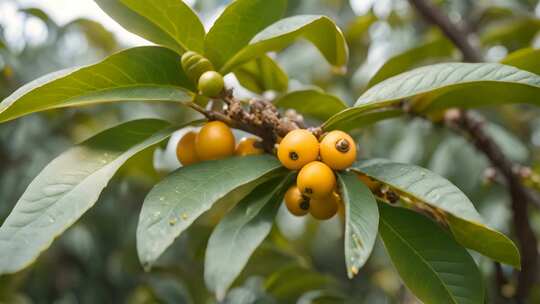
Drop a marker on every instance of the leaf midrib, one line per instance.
(419, 255)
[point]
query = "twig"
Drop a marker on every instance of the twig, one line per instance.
(472, 127)
(260, 118)
(457, 35)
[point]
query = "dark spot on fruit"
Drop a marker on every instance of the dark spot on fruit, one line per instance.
(293, 155)
(343, 146)
(304, 205)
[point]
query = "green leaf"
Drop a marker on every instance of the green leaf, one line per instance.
(174, 204)
(434, 49)
(513, 33)
(361, 221)
(95, 33)
(423, 188)
(359, 117)
(525, 59)
(261, 75)
(170, 23)
(237, 25)
(239, 233)
(432, 265)
(314, 103)
(290, 282)
(441, 86)
(68, 187)
(319, 30)
(139, 74)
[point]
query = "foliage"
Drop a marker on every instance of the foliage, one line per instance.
(425, 222)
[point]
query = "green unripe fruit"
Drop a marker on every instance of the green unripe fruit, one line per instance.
(195, 65)
(211, 84)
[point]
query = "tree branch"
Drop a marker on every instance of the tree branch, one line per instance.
(472, 128)
(260, 118)
(458, 36)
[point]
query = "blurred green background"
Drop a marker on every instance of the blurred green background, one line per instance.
(95, 261)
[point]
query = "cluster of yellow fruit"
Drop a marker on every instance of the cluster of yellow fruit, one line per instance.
(215, 140)
(315, 189)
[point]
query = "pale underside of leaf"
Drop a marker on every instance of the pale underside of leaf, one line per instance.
(423, 189)
(176, 202)
(361, 221)
(68, 187)
(437, 87)
(239, 233)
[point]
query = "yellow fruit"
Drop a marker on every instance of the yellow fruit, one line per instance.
(214, 141)
(246, 147)
(185, 150)
(296, 203)
(324, 208)
(316, 180)
(298, 148)
(338, 150)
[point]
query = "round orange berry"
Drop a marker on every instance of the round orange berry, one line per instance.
(185, 150)
(324, 208)
(298, 148)
(338, 150)
(316, 180)
(215, 140)
(296, 203)
(248, 146)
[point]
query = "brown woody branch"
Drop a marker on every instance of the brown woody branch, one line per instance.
(472, 128)
(259, 117)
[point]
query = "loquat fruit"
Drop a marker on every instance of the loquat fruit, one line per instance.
(215, 140)
(211, 83)
(298, 148)
(296, 203)
(324, 208)
(247, 146)
(185, 149)
(338, 150)
(316, 180)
